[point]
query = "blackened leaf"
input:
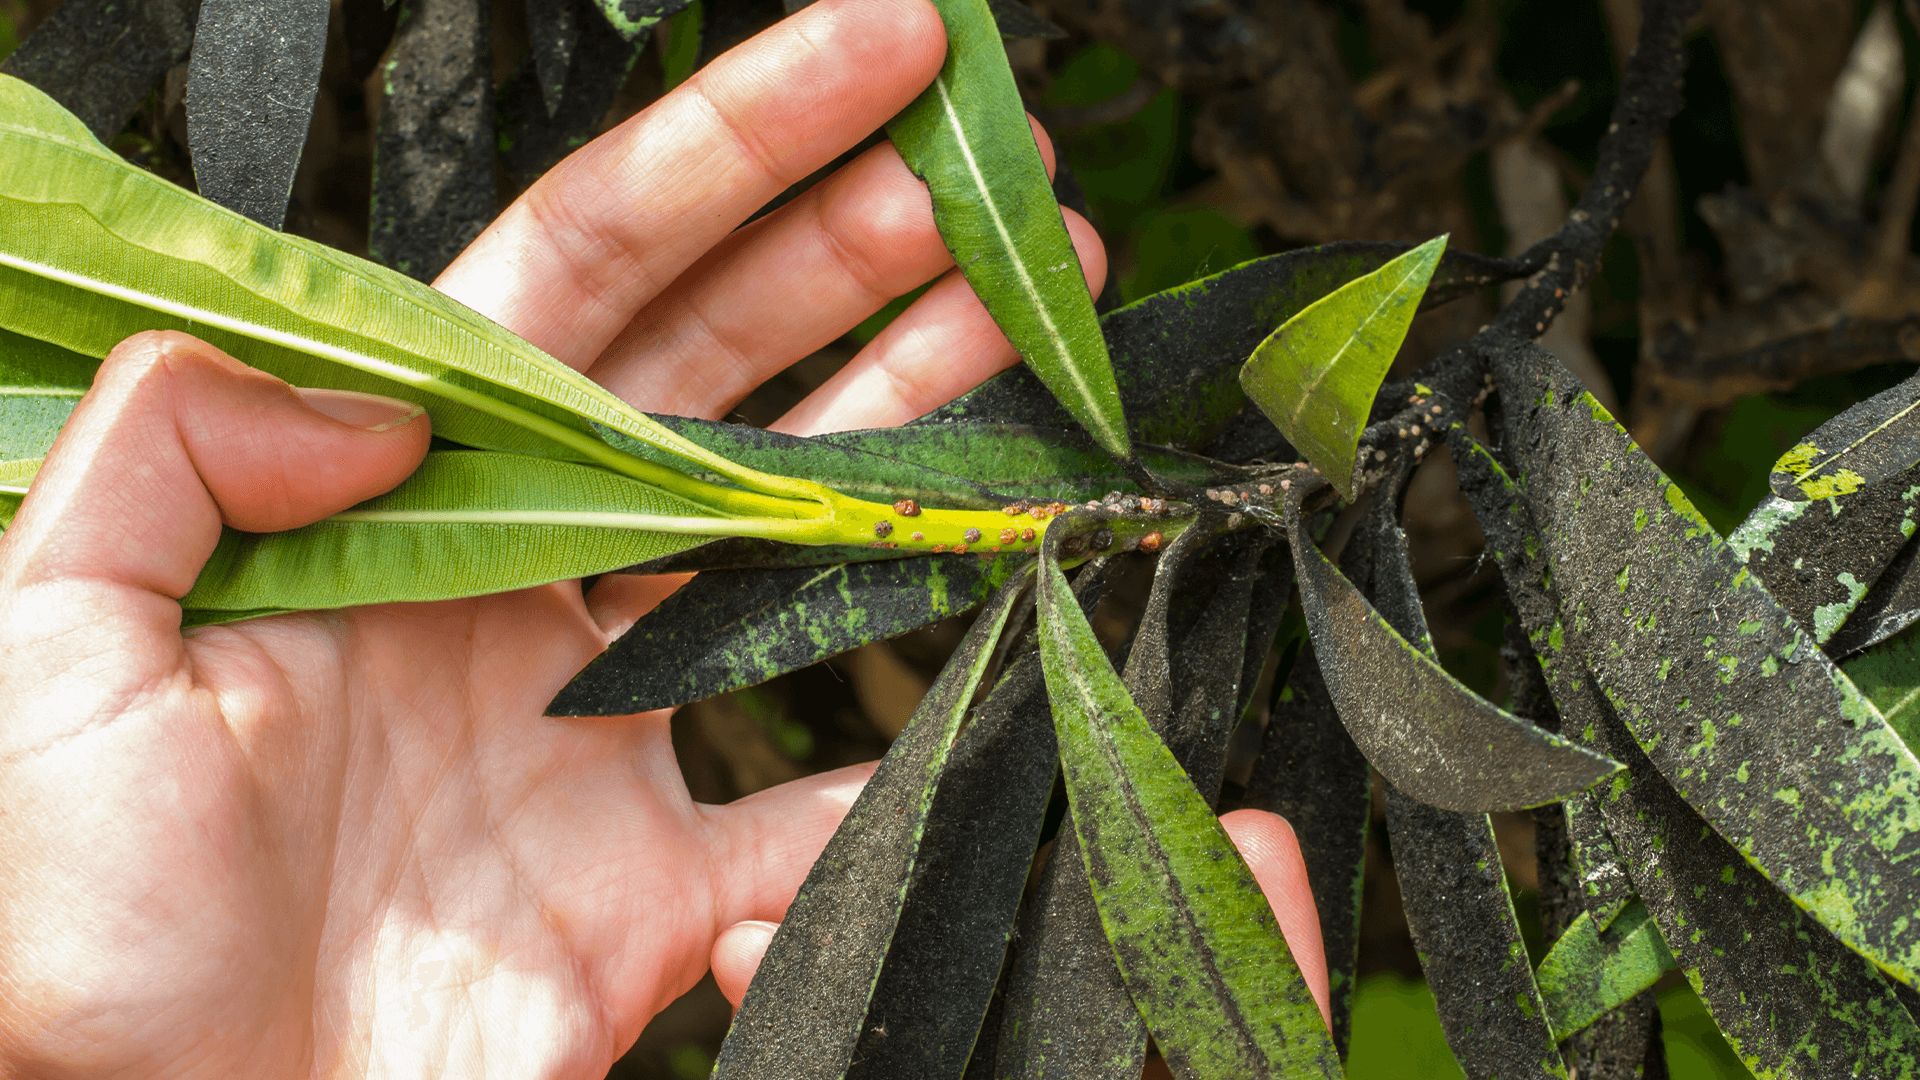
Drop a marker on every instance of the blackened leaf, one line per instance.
(1310, 773)
(1177, 354)
(546, 115)
(1066, 1012)
(746, 553)
(251, 85)
(101, 58)
(1728, 697)
(1890, 677)
(1845, 503)
(1589, 972)
(729, 629)
(969, 464)
(1195, 939)
(1453, 886)
(807, 1006)
(433, 186)
(1316, 376)
(1605, 887)
(553, 35)
(1007, 235)
(633, 18)
(1789, 996)
(39, 386)
(1890, 607)
(1017, 20)
(1427, 733)
(367, 26)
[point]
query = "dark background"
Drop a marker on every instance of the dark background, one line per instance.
(1763, 282)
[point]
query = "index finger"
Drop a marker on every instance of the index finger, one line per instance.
(576, 257)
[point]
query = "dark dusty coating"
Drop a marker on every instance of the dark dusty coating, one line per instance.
(1065, 1010)
(557, 99)
(1749, 721)
(1177, 354)
(732, 628)
(251, 86)
(1453, 886)
(810, 1004)
(1891, 607)
(1829, 1013)
(100, 58)
(1845, 505)
(433, 184)
(1430, 736)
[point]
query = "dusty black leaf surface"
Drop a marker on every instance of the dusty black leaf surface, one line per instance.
(633, 18)
(1177, 354)
(807, 1006)
(251, 86)
(1845, 505)
(433, 182)
(1721, 688)
(1891, 607)
(1453, 886)
(101, 58)
(1826, 1012)
(558, 99)
(1428, 734)
(732, 628)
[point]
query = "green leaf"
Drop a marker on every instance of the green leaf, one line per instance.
(680, 55)
(728, 629)
(1589, 972)
(1317, 376)
(1889, 608)
(1726, 695)
(1793, 999)
(467, 522)
(93, 250)
(812, 999)
(1845, 503)
(1426, 732)
(15, 477)
(1194, 938)
(968, 138)
(1890, 677)
(1177, 354)
(40, 384)
(635, 17)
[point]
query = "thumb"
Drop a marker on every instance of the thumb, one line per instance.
(176, 439)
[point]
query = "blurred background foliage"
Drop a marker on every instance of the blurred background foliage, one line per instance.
(1764, 282)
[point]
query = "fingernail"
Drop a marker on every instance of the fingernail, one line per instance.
(369, 412)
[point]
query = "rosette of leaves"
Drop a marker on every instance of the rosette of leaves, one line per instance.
(1743, 808)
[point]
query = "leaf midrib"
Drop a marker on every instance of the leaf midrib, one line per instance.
(1307, 392)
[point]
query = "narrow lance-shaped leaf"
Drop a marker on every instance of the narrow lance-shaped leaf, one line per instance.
(680, 55)
(1890, 676)
(40, 384)
(1845, 503)
(1194, 938)
(1741, 713)
(1429, 735)
(1317, 376)
(729, 629)
(251, 85)
(1453, 886)
(93, 250)
(1790, 997)
(635, 17)
(102, 58)
(967, 137)
(1889, 608)
(1589, 972)
(1066, 1012)
(809, 1001)
(558, 99)
(1177, 354)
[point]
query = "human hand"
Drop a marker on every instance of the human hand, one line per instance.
(348, 843)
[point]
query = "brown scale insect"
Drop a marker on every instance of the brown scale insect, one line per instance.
(971, 536)
(1151, 542)
(1008, 536)
(883, 529)
(939, 549)
(919, 537)
(1028, 535)
(907, 508)
(958, 549)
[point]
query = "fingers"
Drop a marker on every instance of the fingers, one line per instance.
(763, 845)
(939, 348)
(174, 439)
(1265, 841)
(782, 288)
(610, 227)
(1272, 852)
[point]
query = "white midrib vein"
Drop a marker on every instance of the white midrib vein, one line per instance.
(38, 391)
(1027, 282)
(1856, 444)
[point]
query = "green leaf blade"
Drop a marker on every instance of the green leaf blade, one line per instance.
(1316, 376)
(968, 138)
(1590, 972)
(1194, 938)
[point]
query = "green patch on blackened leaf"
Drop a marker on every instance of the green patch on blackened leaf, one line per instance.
(1590, 972)
(1849, 850)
